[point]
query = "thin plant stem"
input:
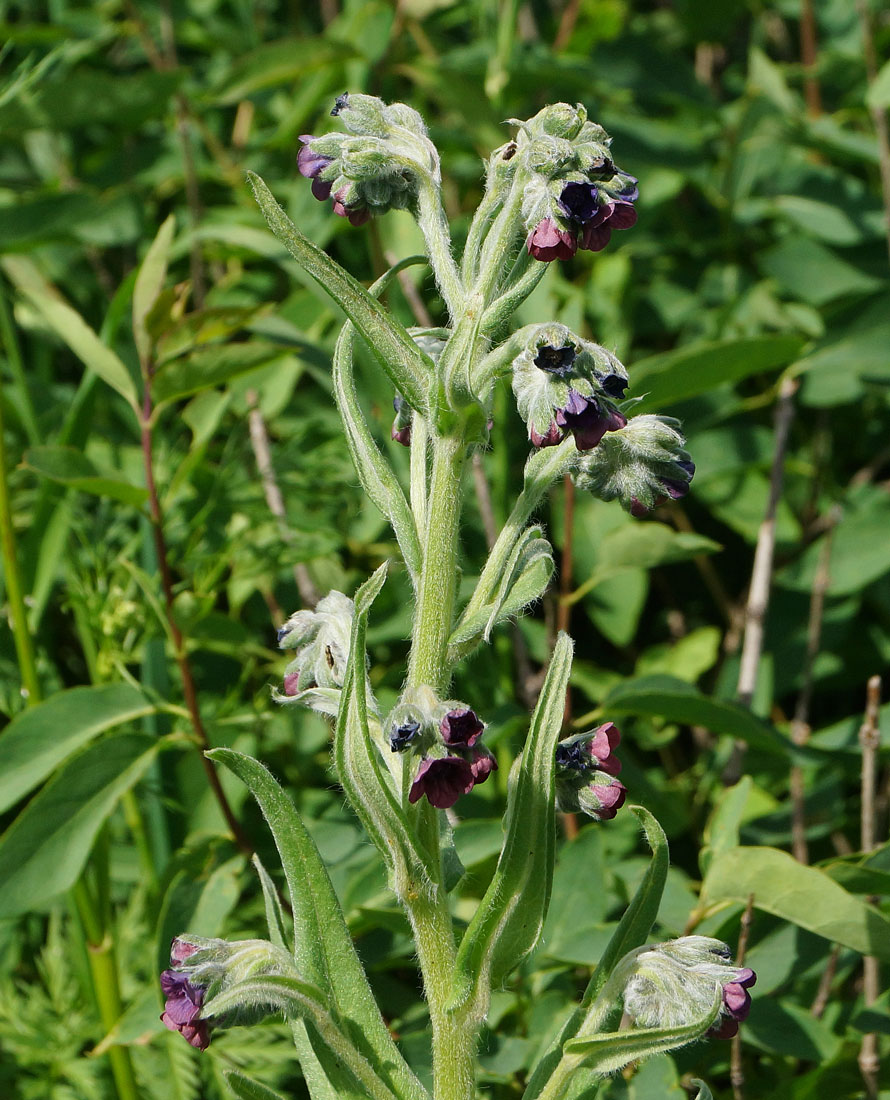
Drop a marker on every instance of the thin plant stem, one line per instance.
(10, 344)
(808, 55)
(736, 1065)
(262, 453)
(761, 574)
(185, 669)
(800, 728)
(870, 740)
(564, 610)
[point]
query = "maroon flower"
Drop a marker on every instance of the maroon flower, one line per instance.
(311, 165)
(443, 779)
(593, 751)
(612, 215)
(610, 798)
(356, 216)
(550, 438)
(587, 420)
(548, 242)
(292, 683)
(482, 764)
(736, 1004)
(461, 727)
(182, 1008)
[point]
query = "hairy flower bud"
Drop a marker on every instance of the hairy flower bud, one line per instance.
(642, 465)
(586, 768)
(201, 968)
(556, 380)
(674, 983)
(321, 640)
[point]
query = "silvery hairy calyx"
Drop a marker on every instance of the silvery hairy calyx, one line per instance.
(553, 190)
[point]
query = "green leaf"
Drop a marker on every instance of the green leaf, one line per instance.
(667, 697)
(71, 467)
(36, 741)
(704, 1093)
(508, 922)
(323, 949)
(409, 369)
(206, 367)
(676, 375)
(794, 892)
(300, 999)
(44, 850)
(878, 95)
(247, 1089)
(368, 787)
(377, 477)
(149, 284)
(274, 912)
(284, 61)
(70, 327)
(722, 830)
(608, 1053)
(632, 932)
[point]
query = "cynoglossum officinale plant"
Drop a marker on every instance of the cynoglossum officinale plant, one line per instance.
(551, 190)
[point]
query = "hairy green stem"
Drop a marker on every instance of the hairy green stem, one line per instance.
(432, 221)
(438, 582)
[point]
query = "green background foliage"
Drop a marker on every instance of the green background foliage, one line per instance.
(759, 258)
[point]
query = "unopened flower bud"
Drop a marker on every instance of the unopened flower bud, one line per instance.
(591, 751)
(461, 727)
(401, 426)
(321, 640)
(675, 983)
(642, 465)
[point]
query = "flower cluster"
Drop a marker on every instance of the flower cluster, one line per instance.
(372, 168)
(675, 983)
(184, 998)
(642, 465)
(575, 195)
(564, 384)
(446, 737)
(586, 768)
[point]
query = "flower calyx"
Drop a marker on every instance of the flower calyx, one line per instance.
(321, 640)
(642, 465)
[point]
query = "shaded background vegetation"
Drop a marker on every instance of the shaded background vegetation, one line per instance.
(752, 292)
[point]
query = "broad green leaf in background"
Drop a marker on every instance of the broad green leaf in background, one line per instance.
(678, 701)
(247, 1089)
(797, 893)
(675, 375)
(71, 467)
(44, 850)
(206, 367)
(40, 738)
(722, 830)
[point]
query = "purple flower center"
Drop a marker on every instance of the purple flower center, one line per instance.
(400, 737)
(556, 361)
(461, 727)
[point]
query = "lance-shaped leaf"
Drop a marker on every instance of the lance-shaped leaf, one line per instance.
(274, 912)
(603, 1054)
(410, 371)
(632, 932)
(368, 786)
(247, 1089)
(704, 1093)
(323, 948)
(508, 922)
(296, 998)
(375, 473)
(524, 580)
(149, 284)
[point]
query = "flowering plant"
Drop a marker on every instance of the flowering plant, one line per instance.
(552, 189)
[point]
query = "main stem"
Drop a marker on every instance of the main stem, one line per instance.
(438, 580)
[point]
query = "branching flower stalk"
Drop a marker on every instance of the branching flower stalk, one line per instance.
(551, 190)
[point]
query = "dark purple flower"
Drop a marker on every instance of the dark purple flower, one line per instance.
(579, 201)
(610, 797)
(400, 737)
(482, 764)
(587, 420)
(355, 216)
(461, 727)
(629, 191)
(548, 242)
(597, 232)
(182, 1009)
(556, 361)
(401, 426)
(443, 779)
(613, 384)
(736, 1004)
